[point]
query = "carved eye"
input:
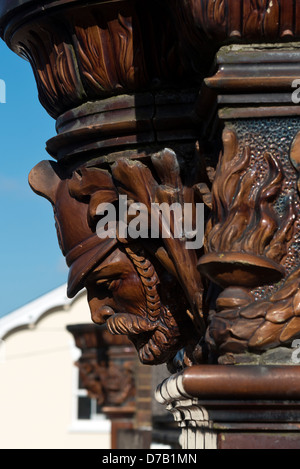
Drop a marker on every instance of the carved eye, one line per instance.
(114, 284)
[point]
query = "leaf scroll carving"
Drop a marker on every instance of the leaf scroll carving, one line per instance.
(257, 326)
(55, 68)
(82, 54)
(107, 57)
(213, 22)
(261, 16)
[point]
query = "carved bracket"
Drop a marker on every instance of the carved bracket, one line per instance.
(191, 417)
(106, 367)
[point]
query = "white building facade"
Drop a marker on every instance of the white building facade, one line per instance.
(40, 394)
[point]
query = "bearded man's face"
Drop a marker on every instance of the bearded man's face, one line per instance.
(119, 296)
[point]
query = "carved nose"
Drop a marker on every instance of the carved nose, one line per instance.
(104, 313)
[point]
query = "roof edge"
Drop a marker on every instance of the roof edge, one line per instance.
(29, 314)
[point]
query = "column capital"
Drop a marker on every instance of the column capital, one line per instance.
(214, 404)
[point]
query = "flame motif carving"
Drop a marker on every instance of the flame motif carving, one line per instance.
(241, 322)
(244, 219)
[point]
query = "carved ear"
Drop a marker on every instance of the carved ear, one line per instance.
(85, 182)
(44, 180)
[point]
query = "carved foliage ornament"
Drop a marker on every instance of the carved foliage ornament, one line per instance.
(82, 53)
(253, 20)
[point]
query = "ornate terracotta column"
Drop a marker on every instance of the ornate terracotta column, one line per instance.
(113, 76)
(175, 102)
(107, 371)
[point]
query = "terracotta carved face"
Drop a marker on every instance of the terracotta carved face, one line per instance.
(125, 289)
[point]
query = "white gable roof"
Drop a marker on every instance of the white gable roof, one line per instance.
(30, 313)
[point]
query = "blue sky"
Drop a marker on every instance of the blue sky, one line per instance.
(31, 262)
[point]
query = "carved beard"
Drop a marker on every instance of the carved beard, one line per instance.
(133, 303)
(156, 342)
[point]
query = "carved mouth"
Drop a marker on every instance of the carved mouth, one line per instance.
(145, 335)
(129, 324)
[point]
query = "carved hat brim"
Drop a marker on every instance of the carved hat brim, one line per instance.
(82, 265)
